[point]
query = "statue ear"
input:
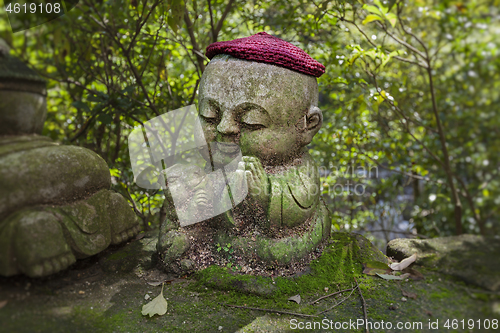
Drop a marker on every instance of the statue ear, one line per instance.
(313, 122)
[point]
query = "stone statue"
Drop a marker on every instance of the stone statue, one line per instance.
(259, 94)
(55, 202)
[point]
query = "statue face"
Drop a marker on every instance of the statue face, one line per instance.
(260, 107)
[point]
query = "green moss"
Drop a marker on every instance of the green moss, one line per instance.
(118, 255)
(340, 261)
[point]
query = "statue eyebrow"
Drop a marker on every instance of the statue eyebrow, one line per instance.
(246, 106)
(212, 102)
(262, 114)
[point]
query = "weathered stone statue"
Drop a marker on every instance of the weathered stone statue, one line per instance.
(258, 94)
(55, 202)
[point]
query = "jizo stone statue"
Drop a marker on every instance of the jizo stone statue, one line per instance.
(258, 97)
(56, 205)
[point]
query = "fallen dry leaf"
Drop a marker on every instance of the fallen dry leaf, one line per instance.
(156, 306)
(404, 263)
(3, 303)
(408, 294)
(414, 274)
(295, 299)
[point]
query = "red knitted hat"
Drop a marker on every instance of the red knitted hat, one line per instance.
(262, 47)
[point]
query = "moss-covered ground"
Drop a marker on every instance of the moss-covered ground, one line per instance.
(89, 298)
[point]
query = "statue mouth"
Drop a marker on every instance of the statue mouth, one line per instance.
(228, 148)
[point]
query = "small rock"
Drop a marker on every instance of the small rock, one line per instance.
(146, 297)
(404, 299)
(220, 328)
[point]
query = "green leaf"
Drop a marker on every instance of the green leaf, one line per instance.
(81, 105)
(105, 118)
(373, 9)
(389, 277)
(94, 98)
(128, 89)
(392, 18)
(156, 306)
(374, 267)
(381, 6)
(391, 4)
(177, 11)
(371, 18)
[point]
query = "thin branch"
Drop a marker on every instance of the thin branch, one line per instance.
(468, 197)
(134, 205)
(406, 124)
(427, 179)
(402, 42)
(364, 305)
(375, 45)
(194, 43)
(222, 19)
(268, 310)
(338, 302)
(335, 293)
(212, 27)
(191, 100)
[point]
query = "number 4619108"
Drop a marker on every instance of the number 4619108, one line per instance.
(33, 8)
(471, 324)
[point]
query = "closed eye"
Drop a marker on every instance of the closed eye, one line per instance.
(253, 127)
(209, 120)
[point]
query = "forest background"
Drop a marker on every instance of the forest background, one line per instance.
(410, 144)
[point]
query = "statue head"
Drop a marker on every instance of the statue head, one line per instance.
(268, 108)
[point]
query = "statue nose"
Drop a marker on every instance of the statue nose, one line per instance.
(228, 125)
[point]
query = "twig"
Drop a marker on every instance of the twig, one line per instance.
(335, 293)
(194, 43)
(338, 302)
(364, 305)
(222, 19)
(134, 205)
(267, 310)
(191, 100)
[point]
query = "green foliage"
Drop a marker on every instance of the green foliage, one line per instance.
(411, 87)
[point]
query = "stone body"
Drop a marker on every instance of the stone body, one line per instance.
(271, 113)
(55, 202)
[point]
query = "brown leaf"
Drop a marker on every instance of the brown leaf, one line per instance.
(408, 294)
(3, 303)
(414, 274)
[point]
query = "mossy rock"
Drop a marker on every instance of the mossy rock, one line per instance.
(137, 254)
(49, 175)
(474, 259)
(342, 257)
